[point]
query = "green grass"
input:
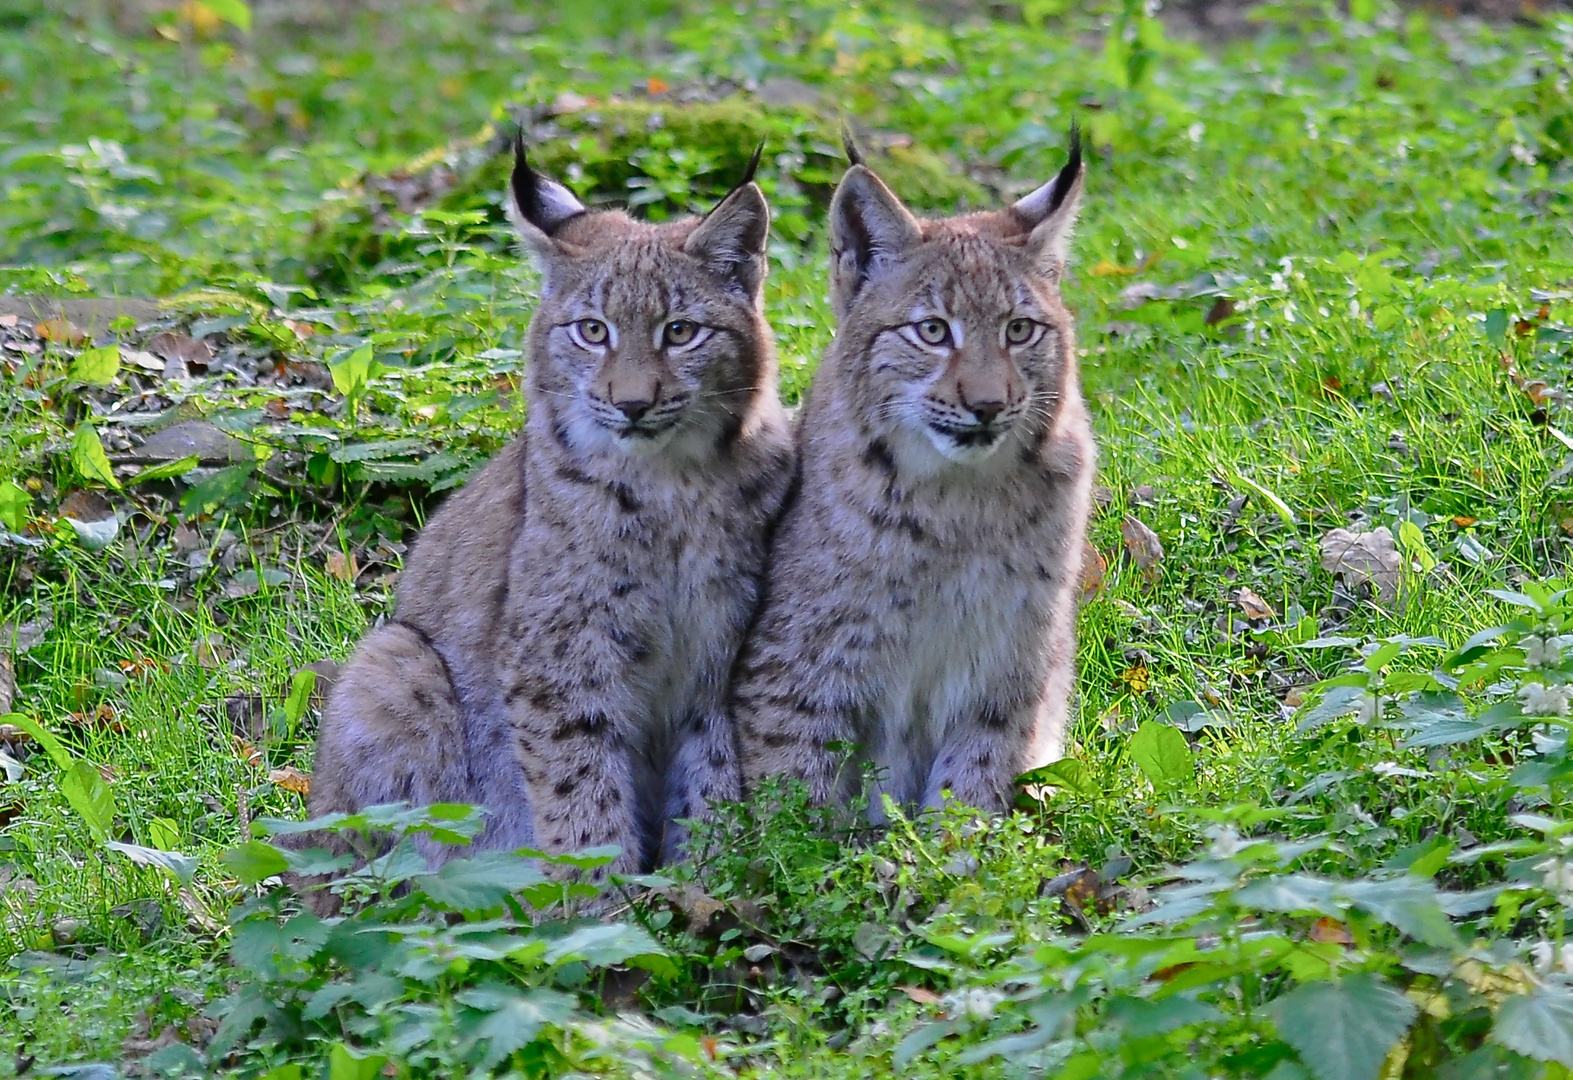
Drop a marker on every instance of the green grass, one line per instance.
(1382, 201)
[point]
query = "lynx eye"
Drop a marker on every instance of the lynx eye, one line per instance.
(593, 331)
(679, 332)
(934, 331)
(1020, 331)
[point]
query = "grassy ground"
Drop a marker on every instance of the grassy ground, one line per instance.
(1322, 282)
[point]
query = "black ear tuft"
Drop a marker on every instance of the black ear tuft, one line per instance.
(1067, 176)
(752, 167)
(541, 201)
(849, 144)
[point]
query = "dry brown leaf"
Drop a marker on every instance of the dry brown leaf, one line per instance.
(1137, 677)
(248, 753)
(8, 321)
(14, 735)
(60, 331)
(182, 348)
(291, 779)
(1330, 930)
(7, 682)
(1463, 522)
(921, 995)
(1143, 545)
(342, 566)
(10, 811)
(1094, 568)
(1253, 605)
(1364, 557)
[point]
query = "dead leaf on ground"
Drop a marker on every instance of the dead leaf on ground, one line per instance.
(1330, 930)
(291, 779)
(60, 331)
(103, 718)
(86, 506)
(1143, 546)
(8, 321)
(212, 652)
(921, 995)
(1222, 308)
(181, 348)
(342, 566)
(1094, 569)
(1360, 557)
(1253, 605)
(10, 811)
(7, 683)
(248, 752)
(143, 360)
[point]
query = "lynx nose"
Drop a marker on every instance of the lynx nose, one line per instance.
(634, 408)
(986, 412)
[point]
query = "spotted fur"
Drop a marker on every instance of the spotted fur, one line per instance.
(567, 622)
(921, 594)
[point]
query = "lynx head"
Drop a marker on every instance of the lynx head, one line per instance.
(646, 335)
(953, 329)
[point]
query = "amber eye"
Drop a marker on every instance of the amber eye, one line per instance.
(593, 331)
(934, 331)
(1019, 331)
(679, 332)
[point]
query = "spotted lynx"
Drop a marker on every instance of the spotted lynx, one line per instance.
(922, 589)
(567, 622)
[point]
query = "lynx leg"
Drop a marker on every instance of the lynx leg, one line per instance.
(788, 729)
(394, 731)
(704, 771)
(981, 758)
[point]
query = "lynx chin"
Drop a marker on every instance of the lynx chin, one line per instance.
(567, 622)
(922, 589)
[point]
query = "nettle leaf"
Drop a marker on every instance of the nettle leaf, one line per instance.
(96, 366)
(1289, 893)
(1140, 1018)
(1162, 753)
(260, 944)
(14, 500)
(254, 861)
(479, 883)
(180, 867)
(1409, 903)
(515, 1017)
(604, 946)
(346, 1064)
(1069, 773)
(1343, 1030)
(352, 371)
(1336, 701)
(1538, 1025)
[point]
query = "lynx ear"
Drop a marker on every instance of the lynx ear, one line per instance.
(869, 229)
(730, 241)
(541, 206)
(1049, 213)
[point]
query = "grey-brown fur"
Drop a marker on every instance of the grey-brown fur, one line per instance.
(922, 590)
(566, 623)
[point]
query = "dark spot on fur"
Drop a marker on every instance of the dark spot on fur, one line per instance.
(877, 455)
(775, 740)
(423, 698)
(564, 788)
(568, 472)
(994, 717)
(623, 588)
(586, 724)
(625, 497)
(610, 798)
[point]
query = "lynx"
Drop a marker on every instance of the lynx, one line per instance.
(922, 587)
(567, 622)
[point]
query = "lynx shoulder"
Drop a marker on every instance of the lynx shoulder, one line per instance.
(922, 589)
(567, 621)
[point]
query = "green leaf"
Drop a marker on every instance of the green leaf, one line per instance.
(345, 1064)
(516, 1017)
(96, 366)
(1415, 546)
(254, 861)
(259, 944)
(14, 501)
(1343, 1030)
(217, 490)
(43, 737)
(1140, 1018)
(917, 1042)
(163, 834)
(479, 883)
(1069, 773)
(1162, 753)
(1410, 903)
(180, 867)
(90, 797)
(1496, 325)
(352, 371)
(300, 688)
(88, 457)
(167, 471)
(603, 946)
(1538, 1025)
